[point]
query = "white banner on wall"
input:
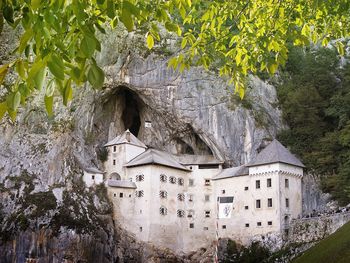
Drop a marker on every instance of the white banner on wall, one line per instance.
(225, 206)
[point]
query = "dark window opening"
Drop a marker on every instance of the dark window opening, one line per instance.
(257, 184)
(269, 183)
(269, 223)
(121, 195)
(191, 225)
(223, 226)
(208, 166)
(246, 207)
(93, 177)
(246, 188)
(258, 223)
(269, 202)
(246, 225)
(258, 203)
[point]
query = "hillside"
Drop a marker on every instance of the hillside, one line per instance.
(335, 248)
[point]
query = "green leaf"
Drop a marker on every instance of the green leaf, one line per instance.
(3, 72)
(13, 100)
(88, 46)
(39, 78)
(35, 4)
(127, 19)
(24, 90)
(1, 22)
(3, 109)
(20, 69)
(8, 14)
(68, 93)
(56, 66)
(24, 40)
(49, 105)
(95, 76)
(183, 43)
(150, 41)
(110, 9)
(50, 88)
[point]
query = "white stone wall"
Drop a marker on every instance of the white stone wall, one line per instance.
(203, 231)
(91, 179)
(235, 227)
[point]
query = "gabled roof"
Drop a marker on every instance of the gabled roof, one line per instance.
(275, 152)
(124, 139)
(188, 159)
(152, 156)
(232, 172)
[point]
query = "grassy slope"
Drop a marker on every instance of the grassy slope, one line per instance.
(335, 248)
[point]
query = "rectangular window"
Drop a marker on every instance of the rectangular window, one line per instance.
(191, 225)
(287, 202)
(258, 203)
(114, 148)
(207, 182)
(258, 223)
(190, 182)
(246, 225)
(257, 184)
(286, 183)
(246, 188)
(93, 177)
(115, 195)
(269, 202)
(114, 162)
(269, 223)
(207, 198)
(207, 213)
(269, 183)
(121, 195)
(223, 226)
(246, 207)
(208, 166)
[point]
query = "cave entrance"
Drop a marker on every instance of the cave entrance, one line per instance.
(131, 112)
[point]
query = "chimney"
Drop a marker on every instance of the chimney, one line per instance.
(127, 135)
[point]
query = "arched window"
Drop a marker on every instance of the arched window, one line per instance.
(163, 211)
(172, 179)
(163, 194)
(139, 193)
(163, 178)
(180, 213)
(140, 177)
(115, 176)
(181, 197)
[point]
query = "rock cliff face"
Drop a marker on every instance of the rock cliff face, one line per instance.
(47, 215)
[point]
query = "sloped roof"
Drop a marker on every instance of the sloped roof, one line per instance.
(188, 159)
(93, 170)
(152, 156)
(275, 152)
(232, 172)
(121, 184)
(123, 139)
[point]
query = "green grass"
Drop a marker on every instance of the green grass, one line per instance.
(335, 248)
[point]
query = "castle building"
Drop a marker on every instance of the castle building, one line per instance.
(182, 202)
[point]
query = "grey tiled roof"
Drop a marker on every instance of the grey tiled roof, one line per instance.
(152, 156)
(275, 152)
(187, 159)
(123, 139)
(93, 170)
(232, 172)
(121, 184)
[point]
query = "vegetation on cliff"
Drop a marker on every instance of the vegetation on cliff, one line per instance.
(59, 39)
(314, 92)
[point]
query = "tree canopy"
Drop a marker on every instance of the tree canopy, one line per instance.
(59, 38)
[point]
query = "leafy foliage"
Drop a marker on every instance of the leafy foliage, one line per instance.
(315, 96)
(56, 50)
